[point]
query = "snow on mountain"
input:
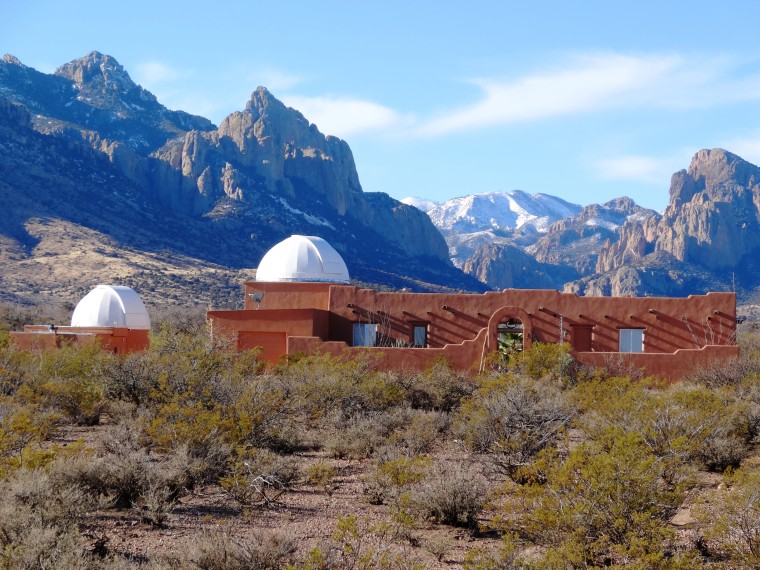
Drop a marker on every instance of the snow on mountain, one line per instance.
(494, 217)
(504, 212)
(420, 203)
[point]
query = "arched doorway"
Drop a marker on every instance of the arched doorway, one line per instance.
(510, 336)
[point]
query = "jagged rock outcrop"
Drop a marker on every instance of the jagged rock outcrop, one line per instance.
(504, 266)
(224, 195)
(633, 240)
(94, 97)
(270, 149)
(579, 241)
(708, 236)
(713, 218)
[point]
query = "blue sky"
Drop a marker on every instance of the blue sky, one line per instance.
(585, 100)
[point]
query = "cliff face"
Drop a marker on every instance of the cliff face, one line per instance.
(710, 233)
(503, 266)
(228, 193)
(271, 150)
(713, 218)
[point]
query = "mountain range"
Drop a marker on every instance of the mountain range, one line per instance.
(708, 237)
(101, 183)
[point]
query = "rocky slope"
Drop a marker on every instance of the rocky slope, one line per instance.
(87, 151)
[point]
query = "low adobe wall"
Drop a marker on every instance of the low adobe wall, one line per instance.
(466, 356)
(113, 339)
(670, 366)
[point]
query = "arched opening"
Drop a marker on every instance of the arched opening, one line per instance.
(510, 337)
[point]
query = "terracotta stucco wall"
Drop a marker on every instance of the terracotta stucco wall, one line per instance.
(671, 323)
(287, 295)
(118, 340)
(464, 327)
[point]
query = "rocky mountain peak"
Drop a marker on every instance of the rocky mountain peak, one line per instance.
(717, 172)
(262, 101)
(12, 59)
(96, 68)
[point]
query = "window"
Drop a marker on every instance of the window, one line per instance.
(419, 335)
(631, 340)
(365, 334)
(510, 336)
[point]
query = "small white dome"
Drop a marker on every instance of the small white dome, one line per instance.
(303, 258)
(111, 306)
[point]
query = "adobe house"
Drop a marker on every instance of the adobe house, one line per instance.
(301, 302)
(111, 315)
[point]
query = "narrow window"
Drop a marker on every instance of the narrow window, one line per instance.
(631, 340)
(510, 336)
(365, 334)
(419, 336)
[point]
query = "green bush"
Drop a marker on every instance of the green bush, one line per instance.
(604, 502)
(681, 423)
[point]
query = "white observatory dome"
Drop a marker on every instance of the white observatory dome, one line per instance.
(111, 306)
(303, 258)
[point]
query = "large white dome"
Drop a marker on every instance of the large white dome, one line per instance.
(111, 306)
(303, 258)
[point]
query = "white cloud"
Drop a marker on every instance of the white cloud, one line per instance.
(637, 168)
(746, 147)
(342, 117)
(601, 82)
(151, 73)
(275, 80)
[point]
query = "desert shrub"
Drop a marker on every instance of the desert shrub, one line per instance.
(512, 420)
(394, 477)
(38, 522)
(502, 558)
(419, 431)
(439, 387)
(682, 423)
(82, 400)
(131, 376)
(604, 502)
(324, 384)
(728, 373)
(156, 501)
(730, 517)
(126, 474)
(358, 438)
(322, 475)
(227, 549)
(14, 369)
(13, 317)
(67, 381)
(357, 543)
(259, 476)
(451, 494)
(262, 413)
(23, 431)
